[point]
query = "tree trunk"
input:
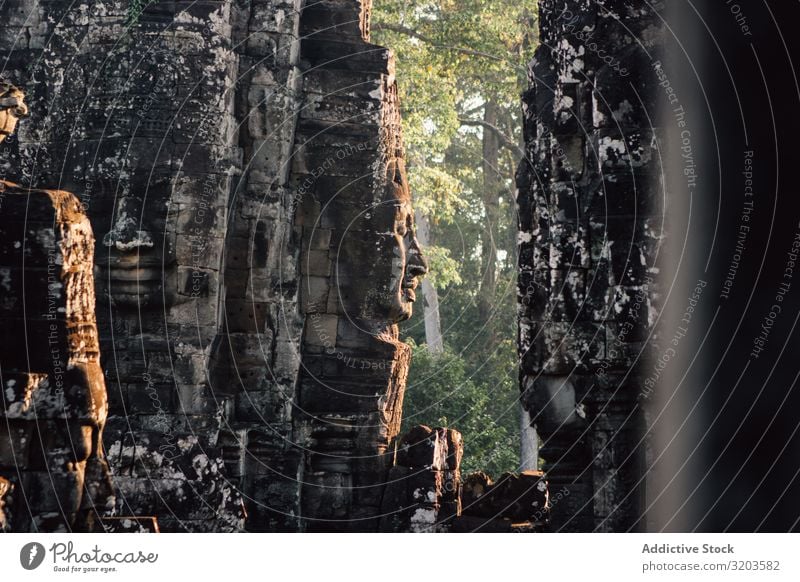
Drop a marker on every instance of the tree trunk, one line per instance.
(491, 206)
(430, 298)
(513, 219)
(529, 443)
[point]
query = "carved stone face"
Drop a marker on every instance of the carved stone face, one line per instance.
(408, 264)
(161, 215)
(378, 259)
(136, 273)
(12, 109)
(163, 248)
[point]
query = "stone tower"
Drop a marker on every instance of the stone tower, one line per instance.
(53, 471)
(590, 207)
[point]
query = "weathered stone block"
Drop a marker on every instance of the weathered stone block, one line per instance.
(317, 263)
(321, 330)
(314, 295)
(15, 444)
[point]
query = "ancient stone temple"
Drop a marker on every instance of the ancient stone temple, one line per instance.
(242, 168)
(590, 224)
(242, 165)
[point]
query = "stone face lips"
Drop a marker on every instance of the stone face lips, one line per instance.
(588, 196)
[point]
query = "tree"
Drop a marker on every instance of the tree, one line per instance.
(441, 392)
(461, 66)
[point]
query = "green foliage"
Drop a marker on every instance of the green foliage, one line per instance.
(444, 269)
(442, 392)
(453, 57)
(439, 193)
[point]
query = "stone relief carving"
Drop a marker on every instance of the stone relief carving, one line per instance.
(586, 254)
(53, 471)
(360, 262)
(255, 251)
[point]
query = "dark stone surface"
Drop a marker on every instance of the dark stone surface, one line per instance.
(53, 471)
(589, 211)
(239, 374)
(519, 498)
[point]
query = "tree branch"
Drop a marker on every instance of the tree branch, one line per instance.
(426, 39)
(504, 139)
(475, 109)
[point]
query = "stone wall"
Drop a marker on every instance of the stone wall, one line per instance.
(248, 301)
(257, 361)
(590, 210)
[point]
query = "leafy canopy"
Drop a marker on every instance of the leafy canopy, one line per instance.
(454, 57)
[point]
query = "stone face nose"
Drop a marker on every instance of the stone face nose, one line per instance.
(417, 262)
(126, 233)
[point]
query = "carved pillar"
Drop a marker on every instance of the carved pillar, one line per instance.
(589, 200)
(360, 263)
(53, 471)
(260, 348)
